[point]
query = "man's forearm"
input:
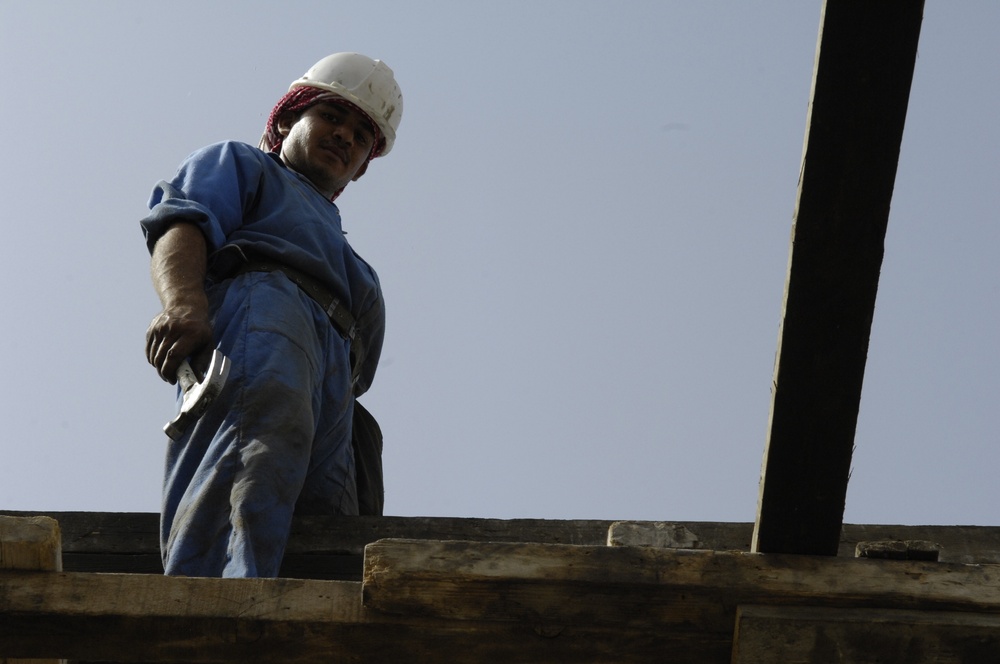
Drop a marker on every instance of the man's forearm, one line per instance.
(178, 269)
(183, 328)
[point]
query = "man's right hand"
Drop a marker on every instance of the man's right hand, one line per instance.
(172, 337)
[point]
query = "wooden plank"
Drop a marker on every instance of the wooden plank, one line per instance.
(320, 547)
(465, 602)
(661, 589)
(957, 544)
(811, 635)
(112, 617)
(899, 550)
(863, 70)
(29, 543)
(331, 547)
(150, 617)
(676, 535)
(107, 532)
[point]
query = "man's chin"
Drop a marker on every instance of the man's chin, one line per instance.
(328, 184)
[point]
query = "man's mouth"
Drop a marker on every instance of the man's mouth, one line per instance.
(337, 152)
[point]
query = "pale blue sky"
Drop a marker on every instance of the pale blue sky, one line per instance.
(582, 234)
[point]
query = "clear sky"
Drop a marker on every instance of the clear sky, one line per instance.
(582, 234)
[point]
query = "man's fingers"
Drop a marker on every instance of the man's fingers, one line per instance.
(170, 340)
(153, 340)
(169, 365)
(200, 362)
(160, 353)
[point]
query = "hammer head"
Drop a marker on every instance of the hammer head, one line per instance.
(197, 395)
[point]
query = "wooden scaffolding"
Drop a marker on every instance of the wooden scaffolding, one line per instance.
(796, 586)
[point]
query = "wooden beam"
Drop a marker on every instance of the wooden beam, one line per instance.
(861, 84)
(29, 543)
(466, 602)
(684, 599)
(654, 587)
(127, 617)
(331, 547)
(805, 635)
(320, 547)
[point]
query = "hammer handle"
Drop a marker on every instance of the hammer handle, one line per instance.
(185, 376)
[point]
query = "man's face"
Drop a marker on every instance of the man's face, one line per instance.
(329, 144)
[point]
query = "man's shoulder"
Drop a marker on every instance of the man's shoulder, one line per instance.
(235, 148)
(234, 155)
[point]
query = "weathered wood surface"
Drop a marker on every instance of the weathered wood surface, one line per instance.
(331, 547)
(29, 543)
(103, 532)
(434, 601)
(644, 585)
(153, 618)
(684, 598)
(956, 544)
(899, 550)
(864, 66)
(320, 547)
(118, 617)
(810, 635)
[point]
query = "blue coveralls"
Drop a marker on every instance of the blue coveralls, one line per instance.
(277, 440)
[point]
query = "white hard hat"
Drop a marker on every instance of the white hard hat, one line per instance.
(367, 83)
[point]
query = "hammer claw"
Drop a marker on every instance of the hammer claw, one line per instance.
(197, 395)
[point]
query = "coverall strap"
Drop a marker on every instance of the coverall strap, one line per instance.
(339, 315)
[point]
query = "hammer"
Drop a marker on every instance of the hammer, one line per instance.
(197, 395)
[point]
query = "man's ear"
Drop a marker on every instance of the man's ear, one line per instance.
(361, 171)
(285, 122)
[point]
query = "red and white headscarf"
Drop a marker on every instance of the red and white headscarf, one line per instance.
(299, 100)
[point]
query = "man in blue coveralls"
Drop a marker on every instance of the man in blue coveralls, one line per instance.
(248, 256)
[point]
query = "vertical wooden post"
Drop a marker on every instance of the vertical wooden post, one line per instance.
(861, 83)
(30, 543)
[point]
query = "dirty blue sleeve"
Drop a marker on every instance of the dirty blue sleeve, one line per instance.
(212, 189)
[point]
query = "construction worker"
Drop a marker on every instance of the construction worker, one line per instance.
(248, 257)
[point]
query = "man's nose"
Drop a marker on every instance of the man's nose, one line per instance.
(344, 133)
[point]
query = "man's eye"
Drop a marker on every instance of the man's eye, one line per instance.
(330, 117)
(362, 138)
